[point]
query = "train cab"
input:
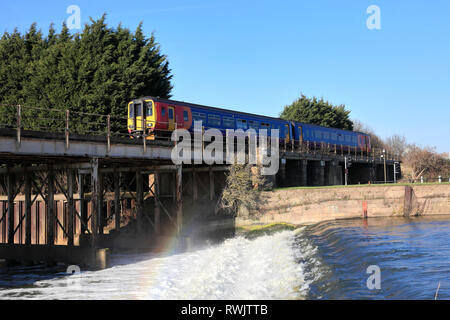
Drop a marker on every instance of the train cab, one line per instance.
(150, 117)
(141, 116)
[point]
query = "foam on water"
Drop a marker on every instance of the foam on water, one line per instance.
(268, 267)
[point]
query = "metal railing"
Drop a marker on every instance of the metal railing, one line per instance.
(69, 123)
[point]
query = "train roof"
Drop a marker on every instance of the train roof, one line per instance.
(240, 112)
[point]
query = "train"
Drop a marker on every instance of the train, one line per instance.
(153, 117)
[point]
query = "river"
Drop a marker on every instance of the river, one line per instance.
(326, 261)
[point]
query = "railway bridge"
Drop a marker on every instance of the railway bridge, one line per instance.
(68, 194)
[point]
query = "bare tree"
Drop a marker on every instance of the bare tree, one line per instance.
(425, 162)
(242, 189)
(397, 145)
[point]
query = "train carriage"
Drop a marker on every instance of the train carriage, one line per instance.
(155, 117)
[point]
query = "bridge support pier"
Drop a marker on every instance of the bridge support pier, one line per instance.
(50, 207)
(333, 173)
(157, 220)
(179, 197)
(95, 187)
(117, 200)
(316, 174)
(70, 207)
(11, 196)
(82, 202)
(304, 172)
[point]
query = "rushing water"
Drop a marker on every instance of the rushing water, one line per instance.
(325, 261)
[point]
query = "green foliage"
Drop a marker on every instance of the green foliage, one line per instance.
(318, 112)
(96, 71)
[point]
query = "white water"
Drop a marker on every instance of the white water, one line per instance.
(268, 267)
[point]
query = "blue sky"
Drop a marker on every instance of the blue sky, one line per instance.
(258, 56)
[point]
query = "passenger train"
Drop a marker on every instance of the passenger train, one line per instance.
(155, 117)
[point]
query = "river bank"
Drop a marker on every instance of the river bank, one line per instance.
(306, 206)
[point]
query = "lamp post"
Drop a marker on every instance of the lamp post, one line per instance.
(385, 172)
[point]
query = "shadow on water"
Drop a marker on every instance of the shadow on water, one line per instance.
(195, 237)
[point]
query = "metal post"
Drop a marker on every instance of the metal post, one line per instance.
(385, 171)
(395, 172)
(27, 208)
(144, 136)
(10, 187)
(179, 181)
(70, 206)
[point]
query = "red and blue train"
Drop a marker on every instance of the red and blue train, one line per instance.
(153, 117)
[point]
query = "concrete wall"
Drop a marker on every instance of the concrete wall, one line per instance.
(313, 205)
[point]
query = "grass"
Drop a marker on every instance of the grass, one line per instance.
(365, 185)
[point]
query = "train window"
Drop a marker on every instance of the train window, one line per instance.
(138, 108)
(213, 120)
(241, 124)
(131, 115)
(163, 112)
(170, 113)
(199, 116)
(253, 124)
(228, 122)
(265, 125)
(149, 107)
(185, 116)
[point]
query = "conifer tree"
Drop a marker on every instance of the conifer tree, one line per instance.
(96, 71)
(318, 112)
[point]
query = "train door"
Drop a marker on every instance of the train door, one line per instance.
(149, 114)
(287, 136)
(138, 116)
(300, 135)
(171, 120)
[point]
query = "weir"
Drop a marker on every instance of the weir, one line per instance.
(67, 197)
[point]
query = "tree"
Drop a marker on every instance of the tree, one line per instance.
(97, 71)
(425, 162)
(318, 112)
(397, 145)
